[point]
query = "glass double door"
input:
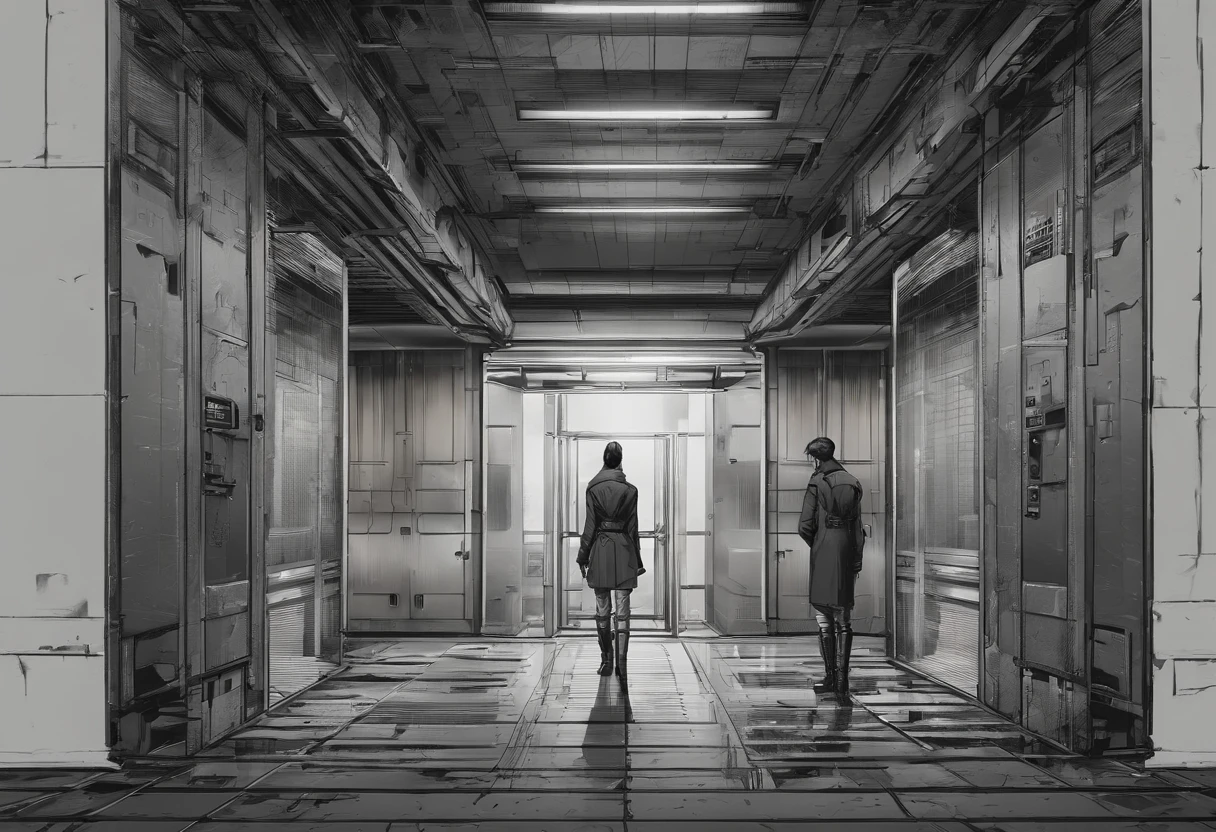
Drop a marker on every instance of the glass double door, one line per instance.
(647, 465)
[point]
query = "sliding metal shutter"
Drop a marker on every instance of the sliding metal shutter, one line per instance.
(937, 557)
(304, 555)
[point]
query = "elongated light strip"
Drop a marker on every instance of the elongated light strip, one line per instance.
(717, 114)
(596, 9)
(610, 167)
(643, 209)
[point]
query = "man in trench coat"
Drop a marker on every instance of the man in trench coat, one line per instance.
(610, 555)
(831, 525)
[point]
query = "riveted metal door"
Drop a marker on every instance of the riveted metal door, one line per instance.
(226, 313)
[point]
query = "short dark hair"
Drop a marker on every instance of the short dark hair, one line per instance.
(821, 449)
(612, 455)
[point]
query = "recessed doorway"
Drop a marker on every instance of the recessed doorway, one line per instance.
(682, 436)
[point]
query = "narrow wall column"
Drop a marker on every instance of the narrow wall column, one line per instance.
(1181, 87)
(53, 402)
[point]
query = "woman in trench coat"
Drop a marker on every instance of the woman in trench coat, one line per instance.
(610, 556)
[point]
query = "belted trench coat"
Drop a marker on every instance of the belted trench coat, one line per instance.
(831, 525)
(610, 547)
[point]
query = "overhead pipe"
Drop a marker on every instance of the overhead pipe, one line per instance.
(781, 306)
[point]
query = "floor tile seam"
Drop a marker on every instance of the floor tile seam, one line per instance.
(532, 706)
(10, 812)
(313, 746)
(564, 820)
(574, 789)
(239, 793)
(287, 700)
(626, 816)
(47, 791)
(924, 745)
(1048, 773)
(967, 698)
(727, 718)
(35, 801)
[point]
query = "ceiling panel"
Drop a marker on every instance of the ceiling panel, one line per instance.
(832, 75)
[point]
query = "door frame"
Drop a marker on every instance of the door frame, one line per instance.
(664, 457)
(778, 458)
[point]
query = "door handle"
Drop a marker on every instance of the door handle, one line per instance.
(781, 553)
(462, 555)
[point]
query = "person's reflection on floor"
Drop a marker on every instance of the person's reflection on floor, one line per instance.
(607, 724)
(839, 718)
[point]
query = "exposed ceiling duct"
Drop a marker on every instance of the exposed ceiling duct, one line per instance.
(577, 170)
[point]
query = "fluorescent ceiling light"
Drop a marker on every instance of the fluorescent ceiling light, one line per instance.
(649, 114)
(593, 9)
(554, 358)
(643, 209)
(609, 167)
(621, 375)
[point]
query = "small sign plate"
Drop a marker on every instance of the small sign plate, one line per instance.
(220, 413)
(1035, 421)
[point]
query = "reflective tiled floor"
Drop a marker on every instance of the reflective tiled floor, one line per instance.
(714, 735)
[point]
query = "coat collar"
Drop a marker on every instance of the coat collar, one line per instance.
(607, 475)
(829, 467)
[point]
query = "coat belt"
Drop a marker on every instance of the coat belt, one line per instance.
(611, 526)
(832, 521)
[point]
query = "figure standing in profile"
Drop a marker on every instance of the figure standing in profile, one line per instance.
(831, 525)
(610, 556)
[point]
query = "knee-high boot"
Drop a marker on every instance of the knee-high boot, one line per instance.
(622, 656)
(827, 649)
(603, 630)
(844, 646)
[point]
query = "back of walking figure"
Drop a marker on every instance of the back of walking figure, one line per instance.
(831, 525)
(610, 556)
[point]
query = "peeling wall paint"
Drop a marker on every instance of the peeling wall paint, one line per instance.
(53, 400)
(1183, 146)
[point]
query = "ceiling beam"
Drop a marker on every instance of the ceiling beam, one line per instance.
(353, 109)
(322, 169)
(933, 139)
(647, 301)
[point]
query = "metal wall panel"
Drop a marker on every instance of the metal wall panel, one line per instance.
(505, 555)
(153, 401)
(840, 394)
(1001, 330)
(1116, 390)
(304, 483)
(1064, 398)
(415, 498)
(738, 541)
(153, 421)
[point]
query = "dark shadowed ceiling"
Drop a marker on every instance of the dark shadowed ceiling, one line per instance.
(809, 82)
(504, 171)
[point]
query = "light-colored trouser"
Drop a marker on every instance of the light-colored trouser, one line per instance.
(832, 618)
(603, 606)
